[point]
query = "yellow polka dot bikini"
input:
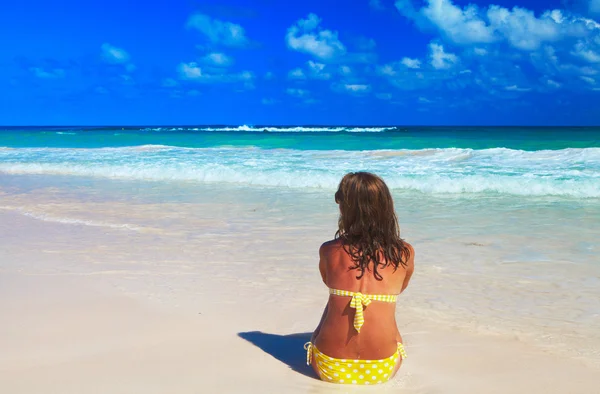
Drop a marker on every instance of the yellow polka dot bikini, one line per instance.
(356, 371)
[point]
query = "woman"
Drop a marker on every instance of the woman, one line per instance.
(365, 267)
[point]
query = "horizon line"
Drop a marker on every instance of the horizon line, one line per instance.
(293, 125)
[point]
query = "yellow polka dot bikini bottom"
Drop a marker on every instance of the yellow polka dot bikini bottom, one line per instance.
(354, 371)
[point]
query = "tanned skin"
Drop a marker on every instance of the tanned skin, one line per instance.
(379, 336)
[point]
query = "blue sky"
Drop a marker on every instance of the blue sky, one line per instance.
(430, 62)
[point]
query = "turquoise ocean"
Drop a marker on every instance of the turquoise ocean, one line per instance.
(558, 162)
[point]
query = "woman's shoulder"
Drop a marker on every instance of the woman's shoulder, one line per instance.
(411, 249)
(331, 244)
(330, 247)
(411, 254)
(337, 242)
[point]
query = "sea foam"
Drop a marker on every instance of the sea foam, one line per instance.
(278, 129)
(567, 172)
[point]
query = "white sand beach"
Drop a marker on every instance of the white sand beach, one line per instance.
(115, 287)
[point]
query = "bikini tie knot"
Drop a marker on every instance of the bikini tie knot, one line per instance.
(308, 346)
(358, 301)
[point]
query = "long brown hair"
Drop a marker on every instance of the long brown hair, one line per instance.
(368, 225)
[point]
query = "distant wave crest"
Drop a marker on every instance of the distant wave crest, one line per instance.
(277, 129)
(569, 172)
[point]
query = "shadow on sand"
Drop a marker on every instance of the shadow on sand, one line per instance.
(289, 349)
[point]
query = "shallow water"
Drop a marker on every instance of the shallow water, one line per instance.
(525, 267)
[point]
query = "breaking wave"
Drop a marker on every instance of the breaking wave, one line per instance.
(569, 172)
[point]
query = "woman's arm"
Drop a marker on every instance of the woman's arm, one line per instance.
(410, 267)
(323, 271)
(323, 264)
(318, 329)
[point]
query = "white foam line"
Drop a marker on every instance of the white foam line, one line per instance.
(54, 219)
(297, 129)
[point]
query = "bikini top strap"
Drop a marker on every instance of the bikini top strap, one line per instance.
(359, 301)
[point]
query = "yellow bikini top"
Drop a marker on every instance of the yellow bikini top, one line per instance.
(360, 299)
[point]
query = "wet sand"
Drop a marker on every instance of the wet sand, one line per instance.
(219, 295)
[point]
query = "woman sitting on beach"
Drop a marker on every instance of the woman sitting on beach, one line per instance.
(365, 267)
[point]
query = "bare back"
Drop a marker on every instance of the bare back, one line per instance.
(379, 336)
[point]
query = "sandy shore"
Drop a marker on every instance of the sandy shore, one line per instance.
(151, 308)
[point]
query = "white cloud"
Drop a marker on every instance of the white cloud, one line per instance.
(314, 66)
(548, 63)
(357, 87)
(583, 51)
(126, 79)
(411, 63)
(190, 70)
(387, 69)
(193, 72)
(296, 73)
(314, 70)
(114, 55)
(529, 52)
(384, 96)
(47, 74)
(218, 59)
(246, 76)
(268, 101)
(460, 26)
(218, 32)
(299, 93)
(439, 58)
(520, 27)
(595, 6)
(352, 88)
(317, 70)
(169, 83)
(589, 80)
(345, 70)
(515, 88)
(424, 100)
(306, 36)
(412, 80)
(376, 5)
(269, 75)
(395, 68)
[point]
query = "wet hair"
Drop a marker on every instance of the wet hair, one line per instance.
(368, 226)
